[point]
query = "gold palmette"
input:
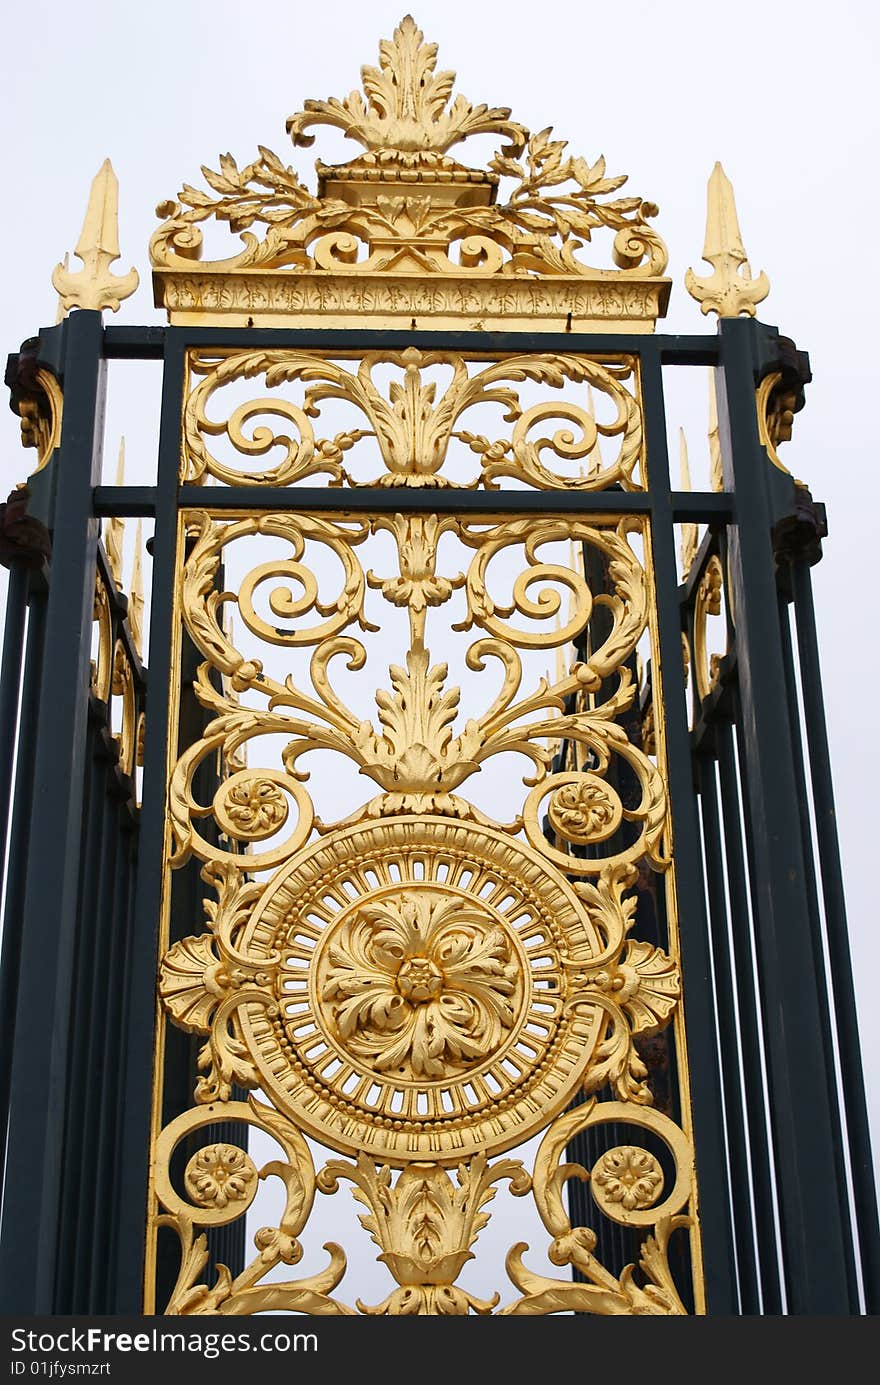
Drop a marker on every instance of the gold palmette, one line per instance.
(412, 981)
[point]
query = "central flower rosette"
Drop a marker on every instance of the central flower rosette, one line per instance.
(422, 983)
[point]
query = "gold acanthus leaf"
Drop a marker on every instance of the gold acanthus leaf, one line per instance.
(405, 114)
(204, 980)
(425, 1225)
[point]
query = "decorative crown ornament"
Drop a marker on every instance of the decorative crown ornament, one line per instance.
(403, 234)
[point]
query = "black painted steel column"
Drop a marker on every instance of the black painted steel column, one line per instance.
(13, 883)
(705, 1075)
(28, 1235)
(127, 1253)
(797, 1055)
(858, 1129)
(725, 1003)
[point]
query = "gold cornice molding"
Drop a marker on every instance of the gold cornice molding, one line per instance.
(403, 235)
(202, 297)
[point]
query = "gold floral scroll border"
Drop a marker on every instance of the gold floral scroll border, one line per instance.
(413, 421)
(433, 1185)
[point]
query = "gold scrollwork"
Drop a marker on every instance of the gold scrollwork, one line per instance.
(41, 416)
(707, 602)
(415, 985)
(776, 408)
(221, 1182)
(613, 1178)
(413, 426)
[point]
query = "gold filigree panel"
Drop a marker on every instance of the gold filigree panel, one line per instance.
(416, 974)
(414, 418)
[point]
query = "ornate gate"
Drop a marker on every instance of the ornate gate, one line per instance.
(512, 892)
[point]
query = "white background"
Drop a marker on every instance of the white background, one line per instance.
(784, 94)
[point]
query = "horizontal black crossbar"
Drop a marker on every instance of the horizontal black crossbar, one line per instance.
(693, 506)
(148, 343)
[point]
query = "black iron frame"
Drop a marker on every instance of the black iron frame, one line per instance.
(781, 1229)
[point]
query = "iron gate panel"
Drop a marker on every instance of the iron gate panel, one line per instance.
(622, 952)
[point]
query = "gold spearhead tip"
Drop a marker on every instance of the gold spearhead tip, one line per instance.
(722, 226)
(98, 246)
(716, 470)
(114, 532)
(100, 231)
(136, 600)
(730, 290)
(690, 533)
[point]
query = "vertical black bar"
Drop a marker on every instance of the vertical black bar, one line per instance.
(130, 836)
(100, 935)
(10, 689)
(813, 1242)
(705, 1077)
(107, 1081)
(10, 682)
(750, 1021)
(849, 1048)
(78, 1156)
(815, 920)
(734, 1099)
(28, 1235)
(127, 1255)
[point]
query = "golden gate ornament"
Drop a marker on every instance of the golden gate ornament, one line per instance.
(418, 983)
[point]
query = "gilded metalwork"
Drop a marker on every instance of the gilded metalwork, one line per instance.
(114, 529)
(94, 286)
(690, 533)
(405, 234)
(716, 469)
(417, 973)
(603, 1292)
(136, 594)
(776, 407)
(707, 603)
(730, 290)
(41, 414)
(415, 420)
(415, 983)
(425, 1226)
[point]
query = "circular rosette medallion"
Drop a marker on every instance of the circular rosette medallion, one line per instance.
(421, 992)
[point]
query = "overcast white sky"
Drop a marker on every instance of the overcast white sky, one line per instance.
(785, 94)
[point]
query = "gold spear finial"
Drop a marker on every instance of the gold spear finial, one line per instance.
(114, 532)
(136, 599)
(689, 532)
(98, 246)
(730, 290)
(716, 470)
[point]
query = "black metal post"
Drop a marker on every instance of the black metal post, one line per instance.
(705, 1077)
(128, 1250)
(28, 1234)
(856, 1113)
(814, 1246)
